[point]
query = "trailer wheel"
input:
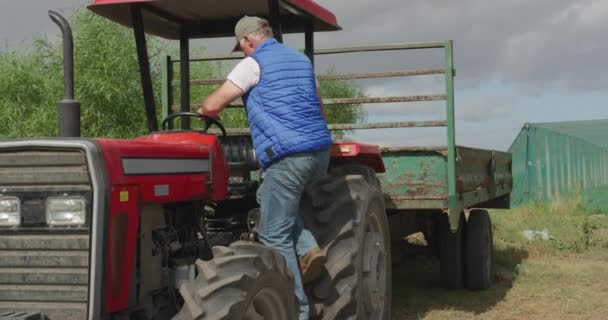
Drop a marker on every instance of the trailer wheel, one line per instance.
(479, 250)
(451, 254)
(346, 213)
(243, 281)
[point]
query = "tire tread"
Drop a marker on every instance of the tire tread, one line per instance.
(232, 273)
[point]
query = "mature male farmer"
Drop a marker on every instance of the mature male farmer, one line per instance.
(290, 136)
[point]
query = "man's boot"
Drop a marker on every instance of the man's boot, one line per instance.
(311, 264)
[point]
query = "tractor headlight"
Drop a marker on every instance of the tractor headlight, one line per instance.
(65, 211)
(10, 211)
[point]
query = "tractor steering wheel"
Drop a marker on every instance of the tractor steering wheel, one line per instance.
(208, 122)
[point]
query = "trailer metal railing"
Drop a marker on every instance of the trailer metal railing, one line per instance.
(447, 96)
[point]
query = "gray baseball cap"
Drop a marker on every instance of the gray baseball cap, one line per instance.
(246, 26)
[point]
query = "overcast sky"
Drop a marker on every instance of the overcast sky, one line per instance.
(517, 61)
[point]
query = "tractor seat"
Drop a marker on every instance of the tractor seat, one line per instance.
(240, 154)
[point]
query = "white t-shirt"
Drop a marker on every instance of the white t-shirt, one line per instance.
(246, 74)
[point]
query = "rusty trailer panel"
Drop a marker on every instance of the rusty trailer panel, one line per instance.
(417, 178)
(414, 178)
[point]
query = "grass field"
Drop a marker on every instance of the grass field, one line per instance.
(565, 277)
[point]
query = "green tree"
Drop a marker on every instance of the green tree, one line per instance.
(349, 113)
(107, 83)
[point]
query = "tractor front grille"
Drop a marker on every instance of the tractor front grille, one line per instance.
(45, 273)
(42, 268)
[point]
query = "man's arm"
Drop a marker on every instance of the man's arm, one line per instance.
(221, 97)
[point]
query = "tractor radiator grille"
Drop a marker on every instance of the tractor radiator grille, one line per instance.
(44, 269)
(45, 273)
(46, 171)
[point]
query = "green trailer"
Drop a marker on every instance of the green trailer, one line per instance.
(440, 193)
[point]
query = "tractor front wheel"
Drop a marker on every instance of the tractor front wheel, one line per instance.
(245, 281)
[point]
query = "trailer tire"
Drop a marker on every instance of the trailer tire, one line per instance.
(451, 254)
(479, 250)
(345, 211)
(241, 280)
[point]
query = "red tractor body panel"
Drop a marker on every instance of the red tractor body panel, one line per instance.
(170, 167)
(159, 168)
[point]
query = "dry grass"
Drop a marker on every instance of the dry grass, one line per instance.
(564, 278)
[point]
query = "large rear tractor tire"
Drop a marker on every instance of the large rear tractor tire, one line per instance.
(451, 254)
(346, 213)
(479, 250)
(245, 281)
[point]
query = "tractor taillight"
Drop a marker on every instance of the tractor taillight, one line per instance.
(345, 150)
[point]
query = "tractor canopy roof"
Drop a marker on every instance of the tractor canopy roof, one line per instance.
(213, 18)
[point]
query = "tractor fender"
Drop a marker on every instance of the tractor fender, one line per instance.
(354, 152)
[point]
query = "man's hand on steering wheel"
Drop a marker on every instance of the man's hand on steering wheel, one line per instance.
(208, 122)
(205, 114)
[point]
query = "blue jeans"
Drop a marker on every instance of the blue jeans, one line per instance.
(281, 226)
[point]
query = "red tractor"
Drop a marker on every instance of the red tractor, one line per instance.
(153, 228)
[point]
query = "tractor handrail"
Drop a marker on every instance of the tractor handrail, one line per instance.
(347, 76)
(346, 101)
(360, 126)
(384, 47)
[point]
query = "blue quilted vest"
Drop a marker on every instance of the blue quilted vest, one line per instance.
(283, 109)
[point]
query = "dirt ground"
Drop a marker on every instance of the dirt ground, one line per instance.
(529, 284)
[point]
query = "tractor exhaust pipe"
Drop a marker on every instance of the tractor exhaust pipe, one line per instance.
(68, 109)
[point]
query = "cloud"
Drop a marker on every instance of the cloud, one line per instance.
(20, 21)
(485, 108)
(537, 45)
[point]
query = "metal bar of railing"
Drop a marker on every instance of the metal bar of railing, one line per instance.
(349, 76)
(387, 47)
(166, 92)
(387, 125)
(219, 57)
(454, 205)
(442, 150)
(346, 101)
(362, 100)
(358, 126)
(374, 75)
